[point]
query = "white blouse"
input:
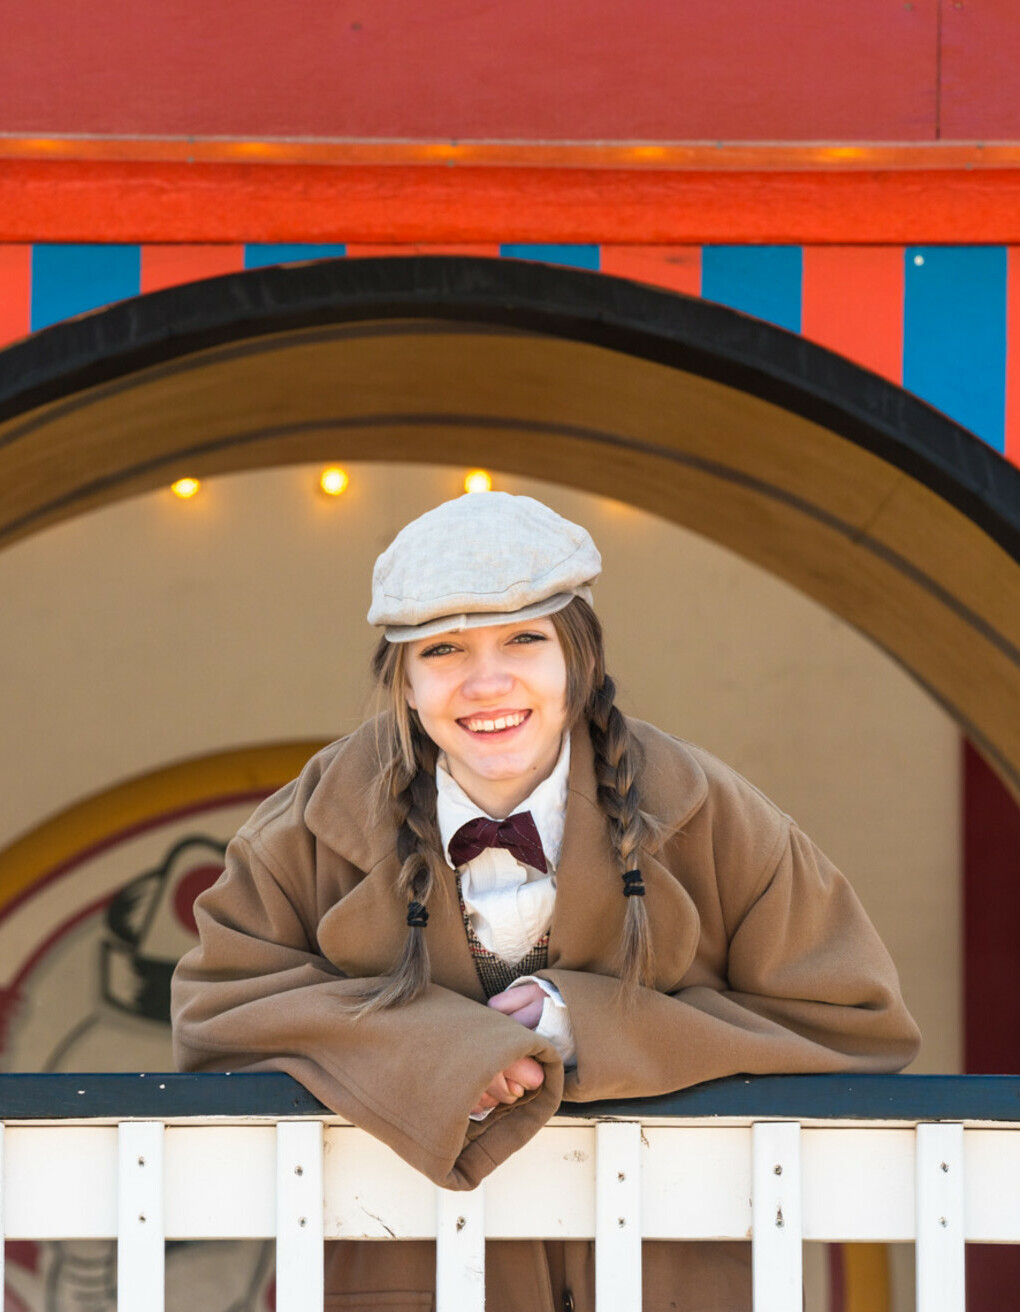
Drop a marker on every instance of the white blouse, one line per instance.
(510, 904)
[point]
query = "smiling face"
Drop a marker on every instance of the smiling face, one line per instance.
(494, 700)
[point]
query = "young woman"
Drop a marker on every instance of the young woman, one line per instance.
(501, 893)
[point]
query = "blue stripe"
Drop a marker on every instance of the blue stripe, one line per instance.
(761, 280)
(258, 255)
(577, 257)
(70, 280)
(954, 334)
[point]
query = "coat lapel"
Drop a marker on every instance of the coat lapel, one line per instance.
(364, 932)
(590, 907)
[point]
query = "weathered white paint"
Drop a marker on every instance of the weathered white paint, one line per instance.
(940, 1232)
(665, 1180)
(299, 1274)
(777, 1262)
(618, 1216)
(460, 1250)
(140, 1216)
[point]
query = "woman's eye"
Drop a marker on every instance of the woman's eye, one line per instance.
(439, 649)
(528, 637)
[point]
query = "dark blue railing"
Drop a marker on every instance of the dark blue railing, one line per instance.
(270, 1094)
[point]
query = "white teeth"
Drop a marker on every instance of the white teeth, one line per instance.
(494, 726)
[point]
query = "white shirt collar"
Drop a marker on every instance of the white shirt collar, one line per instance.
(547, 804)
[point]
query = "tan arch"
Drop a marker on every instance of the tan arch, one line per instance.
(852, 491)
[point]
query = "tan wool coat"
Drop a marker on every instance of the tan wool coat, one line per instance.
(764, 963)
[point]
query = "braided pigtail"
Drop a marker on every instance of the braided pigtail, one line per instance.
(616, 771)
(591, 696)
(408, 787)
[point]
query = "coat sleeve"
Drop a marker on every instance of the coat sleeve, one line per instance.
(256, 994)
(808, 987)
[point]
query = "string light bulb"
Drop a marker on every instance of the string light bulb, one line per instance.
(185, 488)
(478, 481)
(334, 480)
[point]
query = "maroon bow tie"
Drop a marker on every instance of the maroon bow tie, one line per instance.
(517, 833)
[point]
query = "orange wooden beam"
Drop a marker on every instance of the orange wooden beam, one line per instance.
(111, 201)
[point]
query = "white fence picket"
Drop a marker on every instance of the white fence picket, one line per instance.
(460, 1250)
(299, 1213)
(618, 1216)
(140, 1245)
(777, 1253)
(940, 1224)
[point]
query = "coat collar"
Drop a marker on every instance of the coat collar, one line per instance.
(344, 814)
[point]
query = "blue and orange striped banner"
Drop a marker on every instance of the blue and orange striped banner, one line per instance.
(943, 321)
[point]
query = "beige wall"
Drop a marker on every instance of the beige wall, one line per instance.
(156, 630)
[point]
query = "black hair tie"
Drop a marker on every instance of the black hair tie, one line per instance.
(633, 884)
(417, 916)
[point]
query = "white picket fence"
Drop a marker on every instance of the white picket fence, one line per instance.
(303, 1180)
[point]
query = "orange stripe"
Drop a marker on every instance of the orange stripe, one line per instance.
(169, 266)
(15, 292)
(852, 302)
(356, 249)
(68, 202)
(514, 154)
(1013, 355)
(675, 267)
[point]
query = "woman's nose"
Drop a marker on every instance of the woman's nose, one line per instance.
(488, 677)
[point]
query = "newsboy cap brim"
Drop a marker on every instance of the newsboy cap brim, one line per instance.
(485, 619)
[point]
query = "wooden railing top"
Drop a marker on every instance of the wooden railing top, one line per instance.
(271, 1094)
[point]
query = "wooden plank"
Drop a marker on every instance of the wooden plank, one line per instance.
(737, 71)
(991, 1161)
(299, 1213)
(220, 1182)
(940, 1219)
(371, 1193)
(82, 201)
(618, 1217)
(696, 1183)
(858, 1184)
(140, 1246)
(84, 1160)
(460, 1250)
(777, 1259)
(270, 1094)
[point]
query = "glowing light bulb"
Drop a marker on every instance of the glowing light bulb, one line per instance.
(478, 481)
(185, 488)
(333, 481)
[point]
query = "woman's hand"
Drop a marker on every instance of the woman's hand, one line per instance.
(509, 1085)
(523, 1004)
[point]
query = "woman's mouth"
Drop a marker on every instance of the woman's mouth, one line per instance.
(493, 724)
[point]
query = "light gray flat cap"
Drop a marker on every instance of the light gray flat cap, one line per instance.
(485, 558)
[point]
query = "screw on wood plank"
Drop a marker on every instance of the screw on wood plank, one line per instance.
(141, 1161)
(779, 1218)
(303, 1220)
(943, 1222)
(299, 1170)
(777, 1169)
(461, 1223)
(944, 1166)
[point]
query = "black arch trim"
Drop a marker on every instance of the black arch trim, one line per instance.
(684, 332)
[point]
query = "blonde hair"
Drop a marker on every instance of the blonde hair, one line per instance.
(408, 789)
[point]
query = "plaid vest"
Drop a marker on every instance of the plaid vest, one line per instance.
(494, 973)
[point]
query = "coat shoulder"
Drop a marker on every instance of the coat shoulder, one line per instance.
(681, 780)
